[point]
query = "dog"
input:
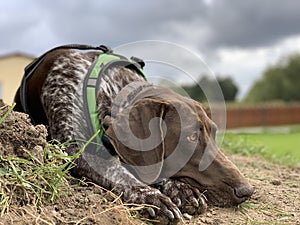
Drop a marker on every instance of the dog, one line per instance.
(155, 139)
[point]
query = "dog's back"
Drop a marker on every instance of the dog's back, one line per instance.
(60, 61)
(52, 93)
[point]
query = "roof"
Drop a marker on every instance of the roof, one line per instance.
(16, 54)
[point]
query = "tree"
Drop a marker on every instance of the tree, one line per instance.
(279, 82)
(227, 85)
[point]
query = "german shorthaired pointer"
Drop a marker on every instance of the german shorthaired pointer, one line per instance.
(166, 175)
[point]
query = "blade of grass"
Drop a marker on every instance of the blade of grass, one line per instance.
(7, 113)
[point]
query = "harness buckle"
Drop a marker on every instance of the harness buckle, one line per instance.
(138, 61)
(105, 49)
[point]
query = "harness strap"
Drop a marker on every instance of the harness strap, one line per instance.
(30, 68)
(105, 60)
(91, 87)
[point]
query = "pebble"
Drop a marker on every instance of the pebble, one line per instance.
(276, 182)
(187, 216)
(209, 215)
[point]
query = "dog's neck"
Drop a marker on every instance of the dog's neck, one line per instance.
(112, 82)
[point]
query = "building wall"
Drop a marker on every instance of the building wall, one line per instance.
(11, 72)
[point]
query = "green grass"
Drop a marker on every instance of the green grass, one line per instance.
(36, 179)
(278, 147)
(7, 113)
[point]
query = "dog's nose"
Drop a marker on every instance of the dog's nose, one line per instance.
(244, 191)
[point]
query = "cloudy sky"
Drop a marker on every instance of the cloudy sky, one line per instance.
(237, 38)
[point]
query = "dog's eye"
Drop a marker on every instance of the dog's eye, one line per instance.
(193, 137)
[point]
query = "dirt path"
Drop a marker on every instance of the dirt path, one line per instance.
(276, 199)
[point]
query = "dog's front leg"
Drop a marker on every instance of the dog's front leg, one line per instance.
(188, 199)
(110, 174)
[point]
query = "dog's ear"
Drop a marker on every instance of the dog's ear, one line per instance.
(137, 134)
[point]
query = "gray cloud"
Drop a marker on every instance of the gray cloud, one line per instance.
(93, 21)
(223, 23)
(34, 26)
(253, 23)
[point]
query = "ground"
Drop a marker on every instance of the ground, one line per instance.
(276, 199)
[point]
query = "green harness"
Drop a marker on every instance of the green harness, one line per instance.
(102, 63)
(106, 59)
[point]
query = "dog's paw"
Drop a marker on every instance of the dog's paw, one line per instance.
(187, 198)
(159, 207)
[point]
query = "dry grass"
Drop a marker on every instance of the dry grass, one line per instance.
(41, 191)
(36, 186)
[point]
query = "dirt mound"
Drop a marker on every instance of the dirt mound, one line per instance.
(275, 201)
(17, 135)
(30, 182)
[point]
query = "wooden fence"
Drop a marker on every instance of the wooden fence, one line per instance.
(260, 115)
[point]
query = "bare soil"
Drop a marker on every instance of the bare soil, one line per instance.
(276, 199)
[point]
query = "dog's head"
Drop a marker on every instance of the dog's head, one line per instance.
(166, 135)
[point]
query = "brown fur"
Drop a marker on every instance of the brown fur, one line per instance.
(55, 99)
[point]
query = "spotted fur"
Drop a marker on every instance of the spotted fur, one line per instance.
(62, 96)
(55, 93)
(54, 97)
(62, 101)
